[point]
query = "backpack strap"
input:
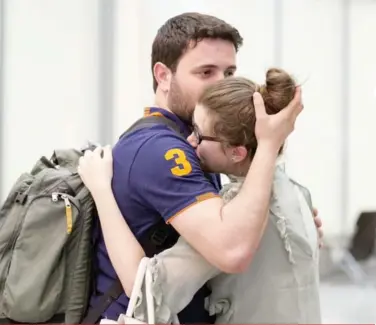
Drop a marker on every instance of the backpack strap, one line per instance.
(149, 121)
(153, 242)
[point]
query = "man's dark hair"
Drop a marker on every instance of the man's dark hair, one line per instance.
(176, 34)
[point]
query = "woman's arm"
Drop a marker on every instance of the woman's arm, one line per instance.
(179, 272)
(124, 250)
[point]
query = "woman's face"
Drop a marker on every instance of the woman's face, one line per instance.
(215, 156)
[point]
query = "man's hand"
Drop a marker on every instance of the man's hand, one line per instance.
(318, 224)
(275, 128)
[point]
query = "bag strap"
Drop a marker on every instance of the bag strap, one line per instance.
(149, 121)
(116, 289)
(95, 313)
(66, 158)
(143, 276)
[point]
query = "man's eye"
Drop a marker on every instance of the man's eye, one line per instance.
(229, 73)
(206, 73)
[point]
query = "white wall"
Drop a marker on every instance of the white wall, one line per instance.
(312, 52)
(128, 87)
(51, 50)
(50, 80)
(362, 73)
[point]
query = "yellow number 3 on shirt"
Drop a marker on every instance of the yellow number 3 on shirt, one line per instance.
(183, 167)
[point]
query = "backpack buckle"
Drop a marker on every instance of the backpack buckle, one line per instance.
(159, 237)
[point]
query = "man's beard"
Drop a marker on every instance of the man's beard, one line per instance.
(180, 103)
(183, 106)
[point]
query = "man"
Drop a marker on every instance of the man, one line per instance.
(158, 175)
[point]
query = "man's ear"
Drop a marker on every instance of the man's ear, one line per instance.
(163, 76)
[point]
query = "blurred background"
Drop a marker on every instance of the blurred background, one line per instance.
(78, 70)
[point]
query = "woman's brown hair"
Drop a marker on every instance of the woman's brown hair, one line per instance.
(231, 102)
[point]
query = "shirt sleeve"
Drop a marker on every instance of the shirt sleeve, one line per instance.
(167, 176)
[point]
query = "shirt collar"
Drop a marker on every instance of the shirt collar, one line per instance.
(185, 128)
(280, 163)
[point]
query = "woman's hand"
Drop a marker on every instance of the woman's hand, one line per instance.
(95, 169)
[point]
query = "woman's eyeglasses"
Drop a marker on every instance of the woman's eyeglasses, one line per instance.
(199, 137)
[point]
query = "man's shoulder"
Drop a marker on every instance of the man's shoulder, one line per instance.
(152, 155)
(150, 136)
(161, 172)
(152, 141)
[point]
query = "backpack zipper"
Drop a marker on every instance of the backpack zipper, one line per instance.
(68, 209)
(69, 216)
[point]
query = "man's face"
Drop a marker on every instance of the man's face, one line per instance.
(207, 62)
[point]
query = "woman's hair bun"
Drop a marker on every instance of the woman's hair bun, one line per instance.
(278, 91)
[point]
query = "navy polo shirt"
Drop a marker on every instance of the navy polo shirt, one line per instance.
(157, 174)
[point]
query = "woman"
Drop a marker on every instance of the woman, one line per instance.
(282, 283)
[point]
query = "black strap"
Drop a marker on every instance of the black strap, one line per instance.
(154, 241)
(149, 121)
(94, 313)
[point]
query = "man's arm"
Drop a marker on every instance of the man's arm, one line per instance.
(226, 235)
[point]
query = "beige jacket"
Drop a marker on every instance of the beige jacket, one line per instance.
(280, 286)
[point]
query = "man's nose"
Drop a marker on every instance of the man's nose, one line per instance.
(192, 140)
(219, 76)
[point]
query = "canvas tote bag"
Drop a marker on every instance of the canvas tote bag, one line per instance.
(143, 276)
